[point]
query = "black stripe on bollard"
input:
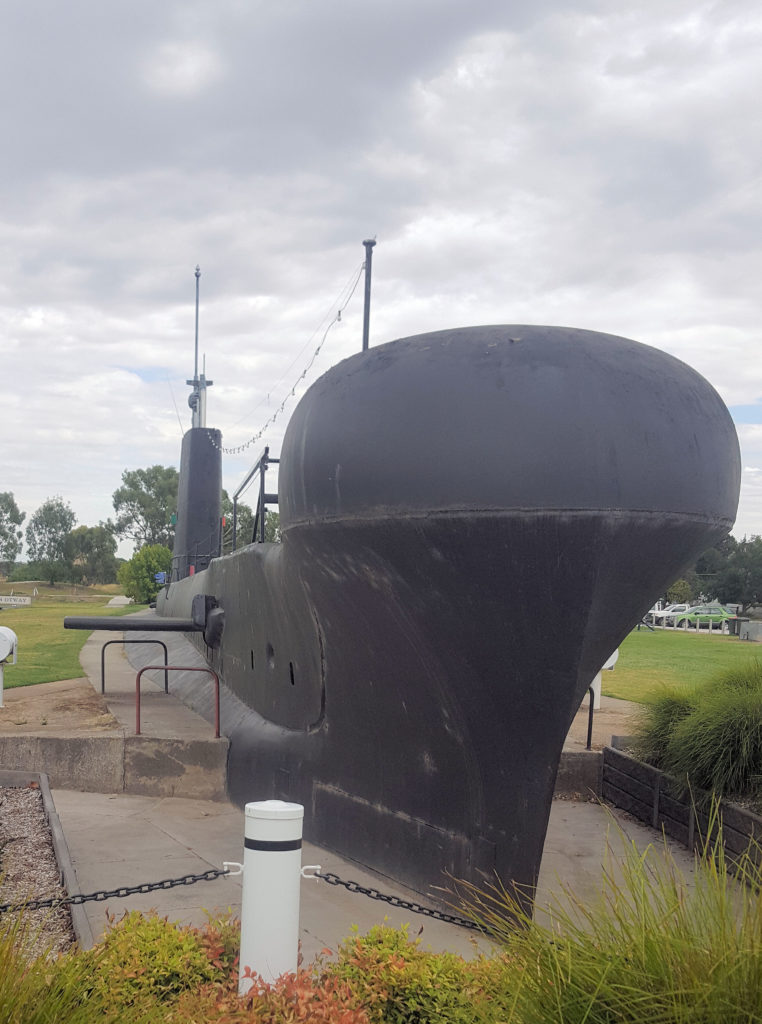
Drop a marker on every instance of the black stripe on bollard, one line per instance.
(275, 846)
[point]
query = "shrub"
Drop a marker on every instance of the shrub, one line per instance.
(144, 959)
(220, 939)
(657, 721)
(400, 983)
(710, 739)
(718, 746)
(137, 575)
(292, 999)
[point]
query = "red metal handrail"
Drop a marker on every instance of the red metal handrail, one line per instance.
(179, 668)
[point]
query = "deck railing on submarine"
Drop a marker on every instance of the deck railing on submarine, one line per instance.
(264, 498)
(188, 562)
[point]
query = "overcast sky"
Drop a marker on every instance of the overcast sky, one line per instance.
(594, 165)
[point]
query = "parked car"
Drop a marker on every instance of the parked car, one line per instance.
(666, 615)
(703, 614)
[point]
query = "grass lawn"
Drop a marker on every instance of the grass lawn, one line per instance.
(649, 660)
(47, 651)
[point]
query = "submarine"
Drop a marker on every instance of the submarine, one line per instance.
(472, 520)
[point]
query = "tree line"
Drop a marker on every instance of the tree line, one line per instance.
(145, 508)
(730, 572)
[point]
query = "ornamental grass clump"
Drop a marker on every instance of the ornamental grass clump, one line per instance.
(654, 949)
(718, 746)
(710, 739)
(657, 722)
(48, 990)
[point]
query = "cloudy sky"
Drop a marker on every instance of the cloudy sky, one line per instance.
(593, 164)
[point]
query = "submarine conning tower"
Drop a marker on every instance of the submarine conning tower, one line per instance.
(199, 502)
(472, 522)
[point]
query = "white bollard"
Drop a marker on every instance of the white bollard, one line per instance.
(272, 862)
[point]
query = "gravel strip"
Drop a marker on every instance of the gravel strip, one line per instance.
(28, 871)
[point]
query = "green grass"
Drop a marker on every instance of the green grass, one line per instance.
(649, 661)
(48, 652)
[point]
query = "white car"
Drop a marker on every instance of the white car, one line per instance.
(666, 617)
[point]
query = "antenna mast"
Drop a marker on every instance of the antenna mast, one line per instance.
(368, 243)
(197, 398)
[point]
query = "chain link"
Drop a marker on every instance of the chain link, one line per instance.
(120, 893)
(209, 876)
(397, 901)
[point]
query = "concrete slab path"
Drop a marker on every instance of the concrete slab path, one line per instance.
(127, 840)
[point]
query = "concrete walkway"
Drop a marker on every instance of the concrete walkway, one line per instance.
(127, 840)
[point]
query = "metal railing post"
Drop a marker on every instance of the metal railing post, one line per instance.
(590, 715)
(179, 668)
(103, 659)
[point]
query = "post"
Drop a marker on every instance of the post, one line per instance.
(262, 471)
(272, 861)
(368, 243)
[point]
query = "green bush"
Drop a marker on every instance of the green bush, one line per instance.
(137, 575)
(718, 746)
(145, 960)
(710, 739)
(657, 721)
(399, 983)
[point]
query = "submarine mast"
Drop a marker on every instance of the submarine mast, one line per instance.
(197, 398)
(199, 491)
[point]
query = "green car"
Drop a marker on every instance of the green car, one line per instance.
(702, 615)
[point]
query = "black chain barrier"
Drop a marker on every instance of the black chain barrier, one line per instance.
(396, 901)
(108, 894)
(209, 876)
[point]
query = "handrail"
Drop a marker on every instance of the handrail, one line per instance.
(103, 659)
(179, 668)
(261, 465)
(590, 714)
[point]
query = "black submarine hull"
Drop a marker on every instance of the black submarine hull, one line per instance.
(472, 521)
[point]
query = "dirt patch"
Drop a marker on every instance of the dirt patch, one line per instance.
(614, 718)
(70, 708)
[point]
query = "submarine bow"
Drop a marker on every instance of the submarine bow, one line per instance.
(472, 520)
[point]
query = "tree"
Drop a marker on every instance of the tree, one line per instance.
(10, 534)
(91, 552)
(145, 504)
(46, 536)
(680, 592)
(272, 527)
(138, 575)
(741, 579)
(245, 525)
